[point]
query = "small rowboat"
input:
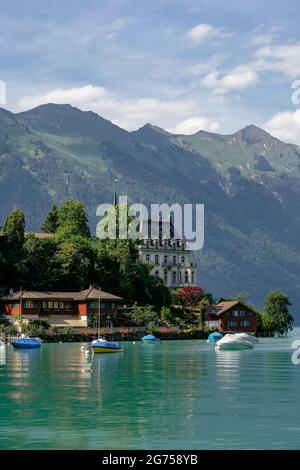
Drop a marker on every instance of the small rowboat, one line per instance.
(102, 346)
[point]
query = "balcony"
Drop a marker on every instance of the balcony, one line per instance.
(169, 263)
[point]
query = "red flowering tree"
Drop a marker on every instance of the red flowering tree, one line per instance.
(190, 297)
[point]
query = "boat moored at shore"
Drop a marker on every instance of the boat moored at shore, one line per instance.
(100, 345)
(150, 339)
(214, 337)
(26, 343)
(233, 342)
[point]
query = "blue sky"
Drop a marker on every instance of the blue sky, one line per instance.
(182, 65)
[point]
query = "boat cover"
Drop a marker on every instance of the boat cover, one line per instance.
(27, 343)
(105, 344)
(215, 336)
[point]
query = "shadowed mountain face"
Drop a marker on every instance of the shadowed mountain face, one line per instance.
(248, 181)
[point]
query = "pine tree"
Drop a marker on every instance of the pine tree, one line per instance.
(50, 224)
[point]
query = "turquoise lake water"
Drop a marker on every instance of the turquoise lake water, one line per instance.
(175, 395)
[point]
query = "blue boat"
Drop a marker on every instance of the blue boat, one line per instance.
(214, 337)
(26, 343)
(150, 339)
(102, 346)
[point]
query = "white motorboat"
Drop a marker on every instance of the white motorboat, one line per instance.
(233, 342)
(247, 337)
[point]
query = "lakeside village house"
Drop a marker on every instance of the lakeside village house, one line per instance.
(170, 259)
(63, 309)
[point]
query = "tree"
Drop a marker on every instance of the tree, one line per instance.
(145, 316)
(72, 220)
(242, 297)
(50, 224)
(277, 307)
(209, 297)
(40, 268)
(2, 260)
(12, 245)
(75, 258)
(166, 315)
(189, 297)
(14, 228)
(203, 305)
(132, 278)
(265, 324)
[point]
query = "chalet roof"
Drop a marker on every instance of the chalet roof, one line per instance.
(90, 293)
(223, 307)
(93, 293)
(227, 305)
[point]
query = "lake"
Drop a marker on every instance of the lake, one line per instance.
(174, 395)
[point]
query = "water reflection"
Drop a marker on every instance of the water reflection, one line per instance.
(170, 396)
(2, 355)
(228, 365)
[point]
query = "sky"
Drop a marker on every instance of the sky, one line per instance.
(183, 65)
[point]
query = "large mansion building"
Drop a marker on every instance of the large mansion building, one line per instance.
(168, 254)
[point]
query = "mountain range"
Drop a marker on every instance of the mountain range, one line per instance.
(249, 182)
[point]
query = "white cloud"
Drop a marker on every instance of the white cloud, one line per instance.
(195, 124)
(283, 58)
(262, 39)
(127, 113)
(285, 126)
(116, 27)
(238, 78)
(203, 32)
(208, 65)
(261, 36)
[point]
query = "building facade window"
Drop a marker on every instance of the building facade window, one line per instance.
(156, 259)
(180, 277)
(232, 323)
(245, 323)
(186, 277)
(156, 273)
(183, 260)
(238, 313)
(193, 277)
(165, 259)
(174, 277)
(28, 304)
(174, 259)
(166, 276)
(147, 257)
